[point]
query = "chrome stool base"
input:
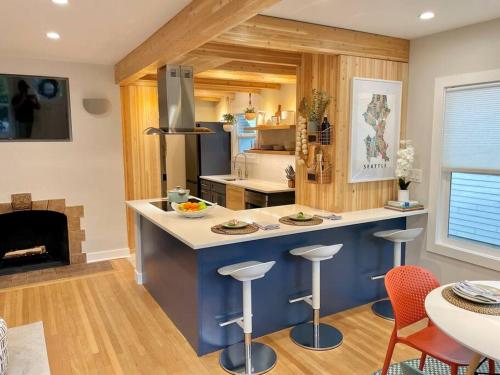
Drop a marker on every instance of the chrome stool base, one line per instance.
(263, 358)
(383, 308)
(326, 337)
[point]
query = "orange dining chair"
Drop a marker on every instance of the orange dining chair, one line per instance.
(407, 287)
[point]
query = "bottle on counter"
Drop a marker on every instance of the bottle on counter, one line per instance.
(278, 114)
(325, 132)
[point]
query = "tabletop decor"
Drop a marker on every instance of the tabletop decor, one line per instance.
(289, 221)
(290, 176)
(461, 302)
(316, 110)
(375, 129)
(220, 229)
(406, 157)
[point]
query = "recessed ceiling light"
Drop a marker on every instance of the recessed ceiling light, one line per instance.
(60, 2)
(426, 15)
(53, 35)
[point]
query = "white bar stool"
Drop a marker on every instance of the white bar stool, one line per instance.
(248, 357)
(315, 335)
(383, 307)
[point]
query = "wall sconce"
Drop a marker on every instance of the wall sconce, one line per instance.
(97, 106)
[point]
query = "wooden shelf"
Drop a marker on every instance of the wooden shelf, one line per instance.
(270, 152)
(274, 127)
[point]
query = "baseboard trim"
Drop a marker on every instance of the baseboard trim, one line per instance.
(99, 256)
(139, 278)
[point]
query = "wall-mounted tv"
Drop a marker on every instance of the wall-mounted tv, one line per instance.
(34, 108)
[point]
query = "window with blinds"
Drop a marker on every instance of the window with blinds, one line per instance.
(471, 154)
(246, 132)
(475, 207)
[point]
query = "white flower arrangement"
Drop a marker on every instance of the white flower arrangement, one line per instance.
(406, 157)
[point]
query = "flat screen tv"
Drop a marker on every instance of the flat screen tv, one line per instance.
(34, 108)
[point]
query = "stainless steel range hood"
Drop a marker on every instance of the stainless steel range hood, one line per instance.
(176, 102)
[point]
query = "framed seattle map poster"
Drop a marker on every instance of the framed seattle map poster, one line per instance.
(375, 127)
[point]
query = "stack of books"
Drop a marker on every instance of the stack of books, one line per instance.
(404, 206)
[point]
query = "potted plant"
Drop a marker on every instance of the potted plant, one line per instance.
(290, 176)
(316, 110)
(228, 120)
(406, 156)
(250, 113)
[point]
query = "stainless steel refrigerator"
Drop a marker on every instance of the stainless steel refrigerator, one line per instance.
(207, 155)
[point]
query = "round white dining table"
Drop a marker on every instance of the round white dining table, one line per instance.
(478, 332)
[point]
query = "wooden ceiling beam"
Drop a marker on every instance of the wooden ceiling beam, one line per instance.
(232, 89)
(248, 54)
(214, 94)
(196, 24)
(288, 35)
(253, 67)
(224, 83)
(213, 99)
(247, 76)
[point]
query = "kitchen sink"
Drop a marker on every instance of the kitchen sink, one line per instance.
(230, 179)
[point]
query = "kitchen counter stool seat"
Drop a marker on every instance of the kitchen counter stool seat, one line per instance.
(247, 357)
(383, 307)
(315, 335)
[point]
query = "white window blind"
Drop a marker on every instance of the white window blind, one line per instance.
(471, 134)
(475, 207)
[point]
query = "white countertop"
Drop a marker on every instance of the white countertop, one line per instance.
(202, 237)
(251, 184)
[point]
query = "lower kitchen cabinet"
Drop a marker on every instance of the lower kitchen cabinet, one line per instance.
(235, 197)
(213, 192)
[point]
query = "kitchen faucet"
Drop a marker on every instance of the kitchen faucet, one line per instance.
(239, 169)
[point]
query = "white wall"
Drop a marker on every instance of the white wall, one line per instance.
(468, 49)
(87, 171)
(205, 111)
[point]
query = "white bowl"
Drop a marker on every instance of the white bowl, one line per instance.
(191, 214)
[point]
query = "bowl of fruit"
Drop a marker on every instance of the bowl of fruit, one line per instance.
(192, 209)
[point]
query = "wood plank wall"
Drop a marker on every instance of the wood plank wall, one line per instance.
(334, 74)
(141, 154)
(320, 72)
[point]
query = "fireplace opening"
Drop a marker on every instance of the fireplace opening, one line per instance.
(31, 240)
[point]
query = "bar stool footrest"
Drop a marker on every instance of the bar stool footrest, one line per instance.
(232, 359)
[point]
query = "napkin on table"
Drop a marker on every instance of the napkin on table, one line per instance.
(266, 225)
(477, 291)
(328, 215)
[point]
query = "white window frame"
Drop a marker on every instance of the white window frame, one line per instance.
(439, 188)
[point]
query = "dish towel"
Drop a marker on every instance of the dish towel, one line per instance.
(266, 225)
(328, 215)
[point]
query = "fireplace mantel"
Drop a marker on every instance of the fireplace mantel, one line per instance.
(76, 235)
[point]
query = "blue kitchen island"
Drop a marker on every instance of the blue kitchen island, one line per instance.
(177, 260)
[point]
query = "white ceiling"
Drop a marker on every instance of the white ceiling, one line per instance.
(389, 17)
(104, 31)
(94, 31)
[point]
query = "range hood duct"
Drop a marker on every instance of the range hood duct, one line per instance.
(175, 102)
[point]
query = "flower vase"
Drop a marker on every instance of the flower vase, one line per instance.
(403, 195)
(312, 126)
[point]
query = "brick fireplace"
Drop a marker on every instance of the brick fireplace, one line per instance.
(47, 230)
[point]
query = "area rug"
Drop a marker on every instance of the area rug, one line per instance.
(433, 367)
(27, 350)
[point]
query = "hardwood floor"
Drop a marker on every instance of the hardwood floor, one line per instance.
(104, 323)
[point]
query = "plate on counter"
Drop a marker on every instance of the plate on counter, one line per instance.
(235, 224)
(301, 217)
